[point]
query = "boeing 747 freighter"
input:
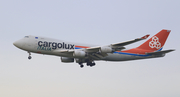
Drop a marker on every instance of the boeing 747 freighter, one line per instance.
(83, 53)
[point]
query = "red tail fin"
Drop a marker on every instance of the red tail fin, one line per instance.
(156, 42)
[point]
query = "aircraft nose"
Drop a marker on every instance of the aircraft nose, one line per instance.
(18, 43)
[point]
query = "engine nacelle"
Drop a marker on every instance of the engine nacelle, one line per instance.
(106, 50)
(79, 54)
(67, 59)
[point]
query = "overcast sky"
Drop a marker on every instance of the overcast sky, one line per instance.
(92, 22)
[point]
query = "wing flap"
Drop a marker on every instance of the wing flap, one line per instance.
(94, 57)
(98, 55)
(93, 49)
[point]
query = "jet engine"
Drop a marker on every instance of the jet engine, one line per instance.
(67, 59)
(79, 54)
(106, 50)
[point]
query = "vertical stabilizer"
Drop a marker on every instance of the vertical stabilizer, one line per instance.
(156, 42)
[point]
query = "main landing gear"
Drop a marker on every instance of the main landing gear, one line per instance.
(29, 57)
(91, 64)
(88, 64)
(81, 65)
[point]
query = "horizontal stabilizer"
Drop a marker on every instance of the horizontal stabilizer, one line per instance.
(160, 52)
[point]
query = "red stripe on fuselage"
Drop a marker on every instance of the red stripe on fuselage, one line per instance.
(81, 46)
(137, 51)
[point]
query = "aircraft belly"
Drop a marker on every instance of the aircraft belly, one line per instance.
(122, 57)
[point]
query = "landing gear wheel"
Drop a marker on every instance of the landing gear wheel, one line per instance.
(88, 63)
(29, 57)
(82, 66)
(92, 64)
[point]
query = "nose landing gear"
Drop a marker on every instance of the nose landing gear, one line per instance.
(29, 57)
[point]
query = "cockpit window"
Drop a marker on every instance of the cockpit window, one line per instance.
(26, 37)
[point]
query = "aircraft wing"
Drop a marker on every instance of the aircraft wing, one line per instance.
(117, 46)
(131, 41)
(99, 52)
(67, 52)
(94, 53)
(93, 49)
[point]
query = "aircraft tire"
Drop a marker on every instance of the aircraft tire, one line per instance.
(29, 57)
(82, 66)
(92, 64)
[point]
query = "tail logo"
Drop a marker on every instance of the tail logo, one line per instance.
(155, 43)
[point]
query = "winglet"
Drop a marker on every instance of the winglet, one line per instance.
(145, 37)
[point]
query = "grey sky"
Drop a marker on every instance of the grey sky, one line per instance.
(93, 22)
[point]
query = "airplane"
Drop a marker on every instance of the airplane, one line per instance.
(83, 53)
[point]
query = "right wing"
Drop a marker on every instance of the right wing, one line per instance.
(99, 52)
(116, 46)
(131, 41)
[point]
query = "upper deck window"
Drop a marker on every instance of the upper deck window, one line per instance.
(26, 37)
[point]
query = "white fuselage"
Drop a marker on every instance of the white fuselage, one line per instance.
(50, 46)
